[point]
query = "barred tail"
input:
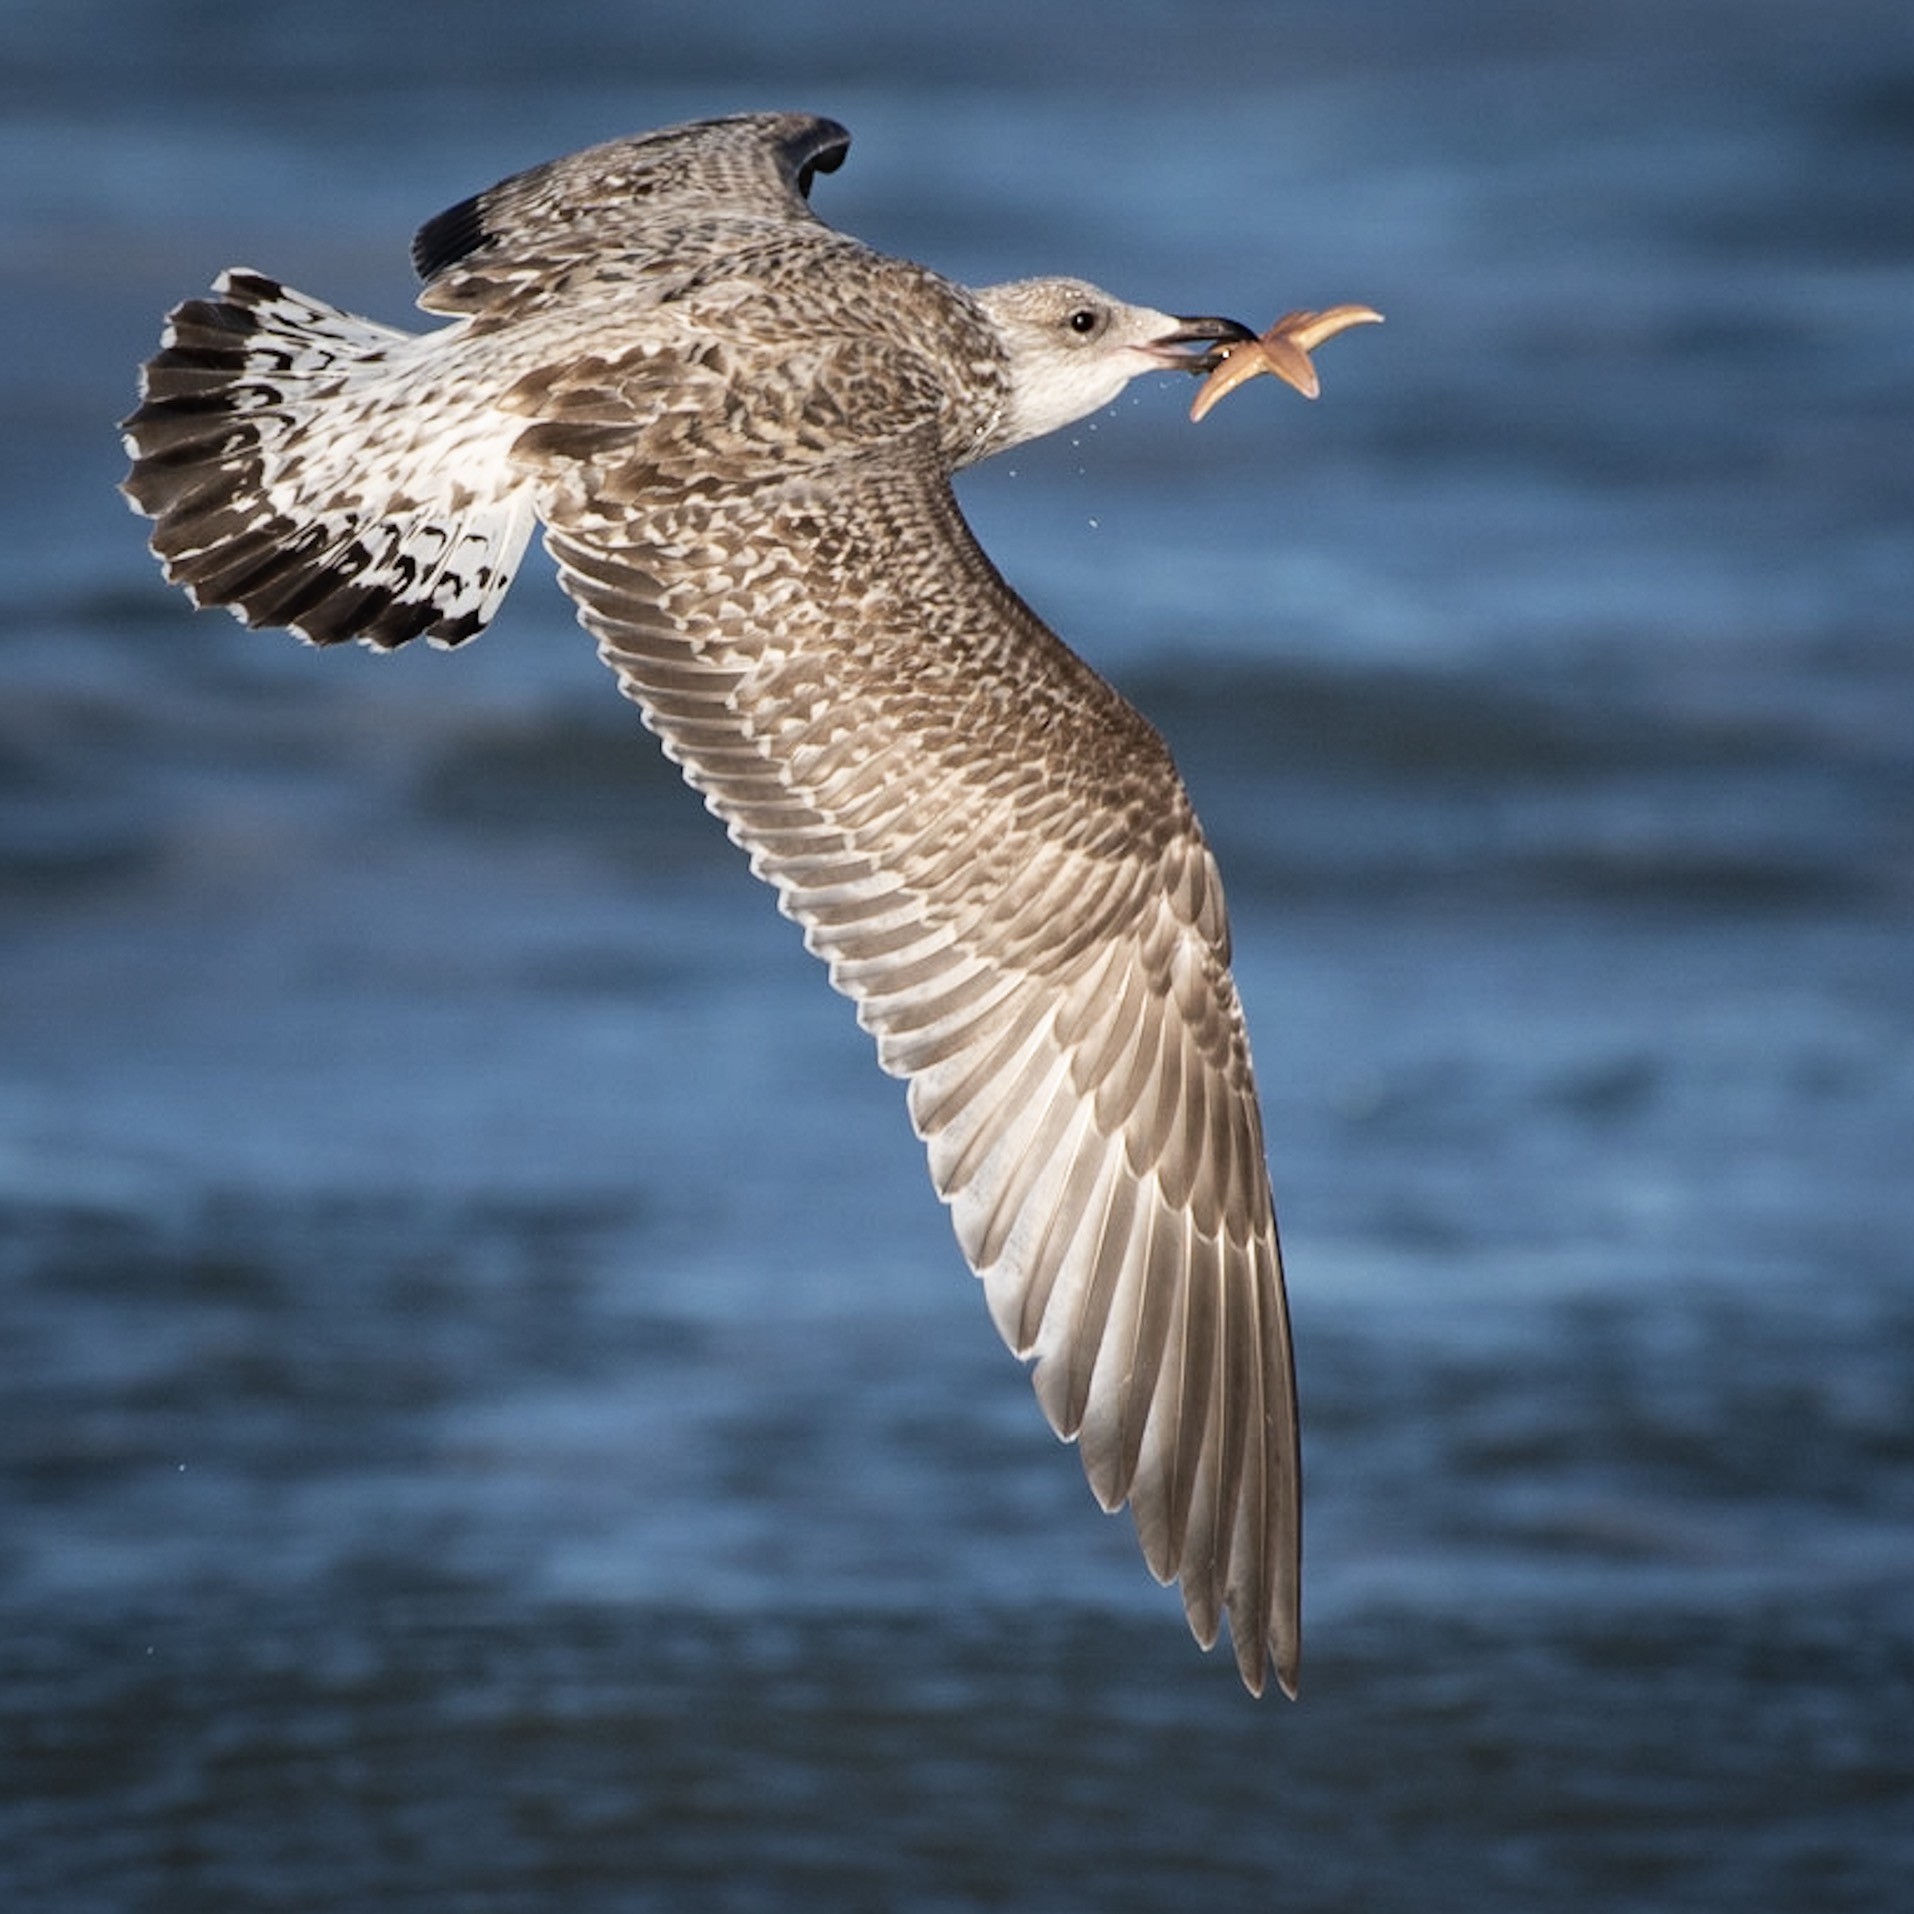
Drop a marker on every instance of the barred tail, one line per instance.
(311, 469)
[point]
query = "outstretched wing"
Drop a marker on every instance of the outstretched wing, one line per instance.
(657, 204)
(995, 855)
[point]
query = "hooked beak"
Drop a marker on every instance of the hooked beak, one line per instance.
(1198, 345)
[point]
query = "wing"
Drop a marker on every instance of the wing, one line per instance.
(656, 205)
(997, 859)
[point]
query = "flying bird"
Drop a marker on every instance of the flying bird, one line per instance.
(738, 428)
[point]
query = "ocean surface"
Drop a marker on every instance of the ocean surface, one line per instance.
(491, 1414)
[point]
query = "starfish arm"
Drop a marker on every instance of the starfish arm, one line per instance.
(1283, 350)
(1245, 362)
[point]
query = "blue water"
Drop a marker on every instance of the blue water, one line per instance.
(490, 1412)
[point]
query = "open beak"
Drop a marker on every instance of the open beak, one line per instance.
(1198, 345)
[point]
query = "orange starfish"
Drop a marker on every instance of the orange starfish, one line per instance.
(1284, 350)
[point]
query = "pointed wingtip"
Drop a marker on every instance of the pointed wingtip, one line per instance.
(1257, 1661)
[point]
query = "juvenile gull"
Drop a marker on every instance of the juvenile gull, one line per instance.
(738, 428)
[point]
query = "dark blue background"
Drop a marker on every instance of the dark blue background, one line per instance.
(490, 1412)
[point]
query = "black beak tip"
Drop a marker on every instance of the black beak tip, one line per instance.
(1200, 342)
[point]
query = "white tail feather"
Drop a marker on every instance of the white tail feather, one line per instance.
(312, 469)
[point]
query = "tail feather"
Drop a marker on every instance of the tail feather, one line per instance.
(309, 468)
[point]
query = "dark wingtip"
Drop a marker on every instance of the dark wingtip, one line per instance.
(818, 147)
(455, 234)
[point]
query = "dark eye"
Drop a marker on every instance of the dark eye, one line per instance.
(1084, 321)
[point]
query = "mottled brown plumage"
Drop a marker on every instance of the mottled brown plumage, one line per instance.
(738, 428)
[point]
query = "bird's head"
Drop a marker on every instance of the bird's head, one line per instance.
(1072, 348)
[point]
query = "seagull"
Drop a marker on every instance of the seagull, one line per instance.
(738, 428)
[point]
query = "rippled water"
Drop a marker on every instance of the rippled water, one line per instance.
(491, 1413)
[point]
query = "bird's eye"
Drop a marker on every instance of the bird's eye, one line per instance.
(1084, 321)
